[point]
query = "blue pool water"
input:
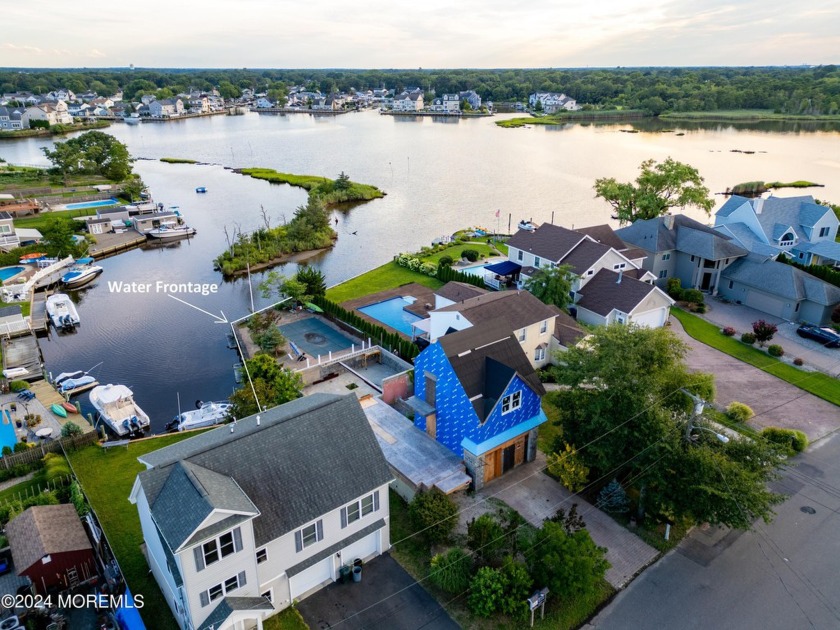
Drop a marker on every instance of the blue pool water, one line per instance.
(392, 313)
(475, 270)
(91, 204)
(314, 337)
(9, 272)
(8, 437)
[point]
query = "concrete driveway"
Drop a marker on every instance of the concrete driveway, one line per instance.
(387, 597)
(775, 402)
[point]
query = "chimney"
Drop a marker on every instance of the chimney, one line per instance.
(758, 205)
(669, 221)
(620, 272)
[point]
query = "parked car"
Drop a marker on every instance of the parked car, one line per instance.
(826, 336)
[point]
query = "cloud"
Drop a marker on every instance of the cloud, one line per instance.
(28, 49)
(93, 53)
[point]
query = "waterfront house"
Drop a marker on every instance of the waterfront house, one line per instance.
(477, 394)
(53, 113)
(780, 290)
(552, 102)
(408, 102)
(471, 97)
(98, 225)
(12, 118)
(50, 547)
(244, 520)
(8, 237)
(447, 104)
(62, 94)
(263, 103)
(147, 221)
(680, 247)
(611, 297)
(796, 226)
(166, 108)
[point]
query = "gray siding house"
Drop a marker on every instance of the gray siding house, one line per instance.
(241, 521)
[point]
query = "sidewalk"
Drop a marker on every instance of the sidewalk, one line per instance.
(536, 497)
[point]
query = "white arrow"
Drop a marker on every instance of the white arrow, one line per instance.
(219, 320)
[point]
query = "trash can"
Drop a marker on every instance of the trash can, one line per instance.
(357, 562)
(357, 574)
(344, 574)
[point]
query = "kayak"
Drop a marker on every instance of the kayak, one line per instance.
(70, 407)
(58, 410)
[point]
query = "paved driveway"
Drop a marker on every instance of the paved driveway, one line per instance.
(387, 597)
(775, 402)
(536, 497)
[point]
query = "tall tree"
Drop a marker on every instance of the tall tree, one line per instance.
(658, 188)
(552, 285)
(94, 153)
(274, 385)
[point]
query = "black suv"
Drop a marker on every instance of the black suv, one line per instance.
(826, 336)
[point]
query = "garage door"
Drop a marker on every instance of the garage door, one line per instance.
(651, 319)
(311, 577)
(765, 303)
(364, 548)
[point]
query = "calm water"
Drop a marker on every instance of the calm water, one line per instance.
(439, 176)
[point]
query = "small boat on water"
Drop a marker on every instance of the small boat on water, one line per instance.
(526, 225)
(69, 407)
(116, 407)
(58, 380)
(206, 414)
(70, 384)
(83, 272)
(201, 189)
(62, 312)
(134, 119)
(58, 410)
(168, 231)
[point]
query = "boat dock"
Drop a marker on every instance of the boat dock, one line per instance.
(47, 395)
(38, 320)
(23, 352)
(110, 244)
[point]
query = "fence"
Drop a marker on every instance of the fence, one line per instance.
(34, 491)
(32, 455)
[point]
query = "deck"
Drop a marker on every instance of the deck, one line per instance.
(47, 395)
(110, 244)
(23, 352)
(38, 319)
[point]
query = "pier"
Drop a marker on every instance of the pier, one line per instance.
(47, 395)
(110, 244)
(38, 320)
(23, 352)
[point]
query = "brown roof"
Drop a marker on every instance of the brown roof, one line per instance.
(566, 330)
(584, 256)
(517, 308)
(43, 530)
(548, 241)
(606, 235)
(604, 292)
(459, 291)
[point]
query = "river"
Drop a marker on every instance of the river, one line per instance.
(439, 176)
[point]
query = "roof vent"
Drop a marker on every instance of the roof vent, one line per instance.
(258, 419)
(758, 205)
(620, 273)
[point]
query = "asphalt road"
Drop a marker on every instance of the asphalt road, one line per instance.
(784, 575)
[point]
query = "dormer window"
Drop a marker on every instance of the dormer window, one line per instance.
(787, 239)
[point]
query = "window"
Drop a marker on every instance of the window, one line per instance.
(231, 583)
(590, 272)
(221, 547)
(796, 310)
(226, 546)
(621, 318)
(731, 283)
(802, 254)
(5, 229)
(692, 259)
(269, 595)
(666, 256)
(539, 353)
(358, 509)
(215, 592)
(618, 266)
(537, 261)
(522, 334)
(262, 556)
(663, 273)
(218, 590)
(544, 327)
(519, 255)
(211, 552)
(825, 231)
(309, 535)
(511, 402)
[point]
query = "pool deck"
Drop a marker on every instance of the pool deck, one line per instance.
(424, 303)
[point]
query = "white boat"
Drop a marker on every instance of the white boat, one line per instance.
(171, 230)
(83, 271)
(116, 407)
(134, 119)
(58, 380)
(74, 383)
(206, 415)
(527, 226)
(62, 312)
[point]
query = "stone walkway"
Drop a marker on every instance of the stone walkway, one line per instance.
(537, 496)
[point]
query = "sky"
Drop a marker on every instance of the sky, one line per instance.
(420, 33)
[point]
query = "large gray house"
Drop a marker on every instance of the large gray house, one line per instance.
(241, 521)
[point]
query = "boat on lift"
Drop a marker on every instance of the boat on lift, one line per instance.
(206, 414)
(83, 272)
(62, 312)
(116, 407)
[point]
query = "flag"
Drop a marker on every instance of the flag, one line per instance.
(497, 213)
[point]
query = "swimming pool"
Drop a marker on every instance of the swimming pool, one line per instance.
(91, 204)
(8, 437)
(10, 272)
(392, 313)
(314, 337)
(475, 270)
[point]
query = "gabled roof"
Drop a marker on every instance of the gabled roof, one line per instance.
(459, 291)
(230, 605)
(318, 452)
(776, 213)
(603, 234)
(782, 280)
(566, 330)
(485, 358)
(608, 290)
(707, 244)
(548, 241)
(517, 309)
(43, 530)
(584, 255)
(681, 233)
(826, 249)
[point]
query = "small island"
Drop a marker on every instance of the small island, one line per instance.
(308, 232)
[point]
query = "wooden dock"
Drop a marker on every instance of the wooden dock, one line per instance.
(47, 395)
(110, 244)
(23, 352)
(38, 320)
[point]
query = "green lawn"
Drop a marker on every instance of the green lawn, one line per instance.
(40, 221)
(25, 307)
(816, 383)
(289, 619)
(454, 251)
(548, 431)
(388, 276)
(22, 490)
(743, 115)
(107, 477)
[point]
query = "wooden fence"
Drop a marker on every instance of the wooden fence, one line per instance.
(34, 454)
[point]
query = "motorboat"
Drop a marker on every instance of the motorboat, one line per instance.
(75, 383)
(526, 225)
(171, 231)
(134, 119)
(82, 272)
(116, 407)
(201, 189)
(62, 312)
(58, 380)
(206, 414)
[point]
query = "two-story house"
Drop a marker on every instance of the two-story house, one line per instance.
(52, 113)
(552, 102)
(241, 521)
(796, 226)
(408, 102)
(471, 97)
(166, 108)
(12, 118)
(680, 247)
(482, 399)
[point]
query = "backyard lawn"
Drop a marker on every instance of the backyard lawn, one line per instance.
(388, 276)
(454, 251)
(817, 383)
(107, 476)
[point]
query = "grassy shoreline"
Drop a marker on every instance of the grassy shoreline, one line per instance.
(746, 115)
(55, 130)
(323, 187)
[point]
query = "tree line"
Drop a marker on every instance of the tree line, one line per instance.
(793, 90)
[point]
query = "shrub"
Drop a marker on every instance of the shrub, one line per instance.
(451, 571)
(748, 338)
(517, 588)
(433, 513)
(428, 269)
(70, 429)
(569, 467)
(485, 537)
(739, 412)
(674, 288)
(18, 386)
(775, 350)
(729, 331)
(470, 254)
(446, 260)
(798, 361)
(700, 308)
(693, 295)
(56, 468)
(763, 331)
(613, 498)
(791, 440)
(487, 591)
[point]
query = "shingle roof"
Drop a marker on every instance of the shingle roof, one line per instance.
(584, 256)
(684, 235)
(229, 605)
(319, 453)
(826, 249)
(459, 291)
(747, 239)
(517, 308)
(782, 280)
(707, 244)
(548, 241)
(566, 330)
(603, 234)
(43, 530)
(604, 292)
